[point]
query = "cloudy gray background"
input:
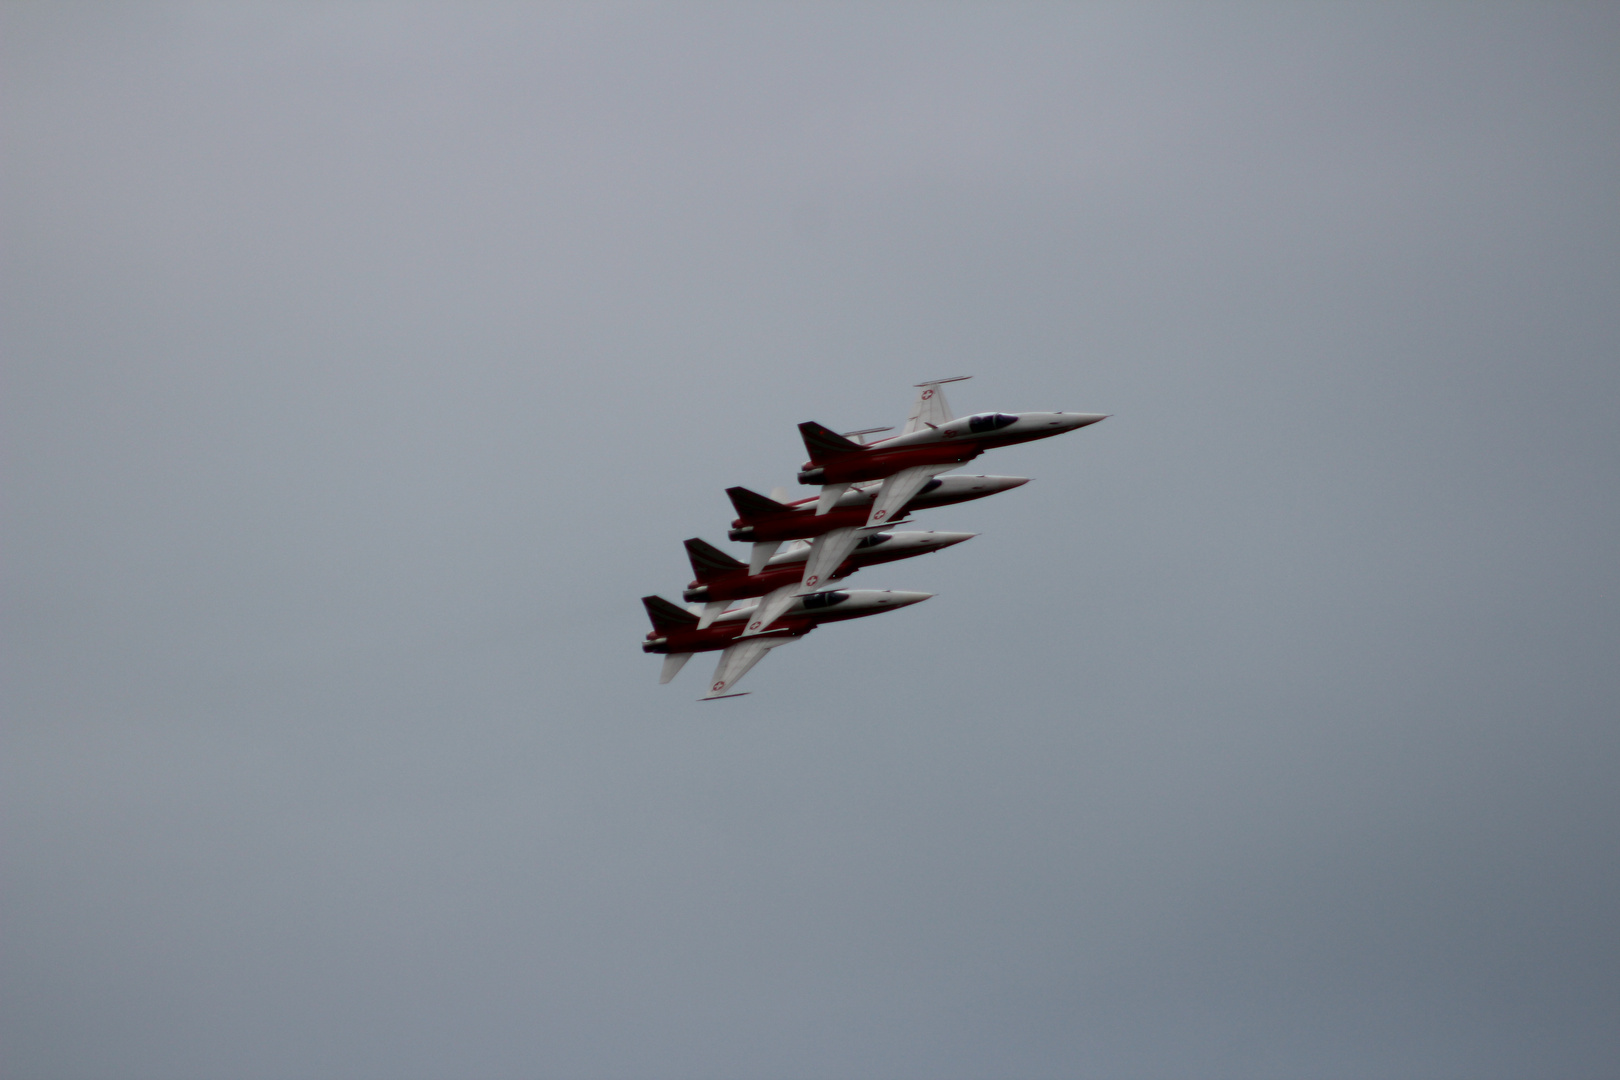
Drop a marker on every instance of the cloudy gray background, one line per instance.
(364, 364)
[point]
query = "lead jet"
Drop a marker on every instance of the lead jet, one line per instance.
(932, 442)
(719, 579)
(676, 633)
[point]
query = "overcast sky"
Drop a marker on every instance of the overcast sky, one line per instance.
(364, 364)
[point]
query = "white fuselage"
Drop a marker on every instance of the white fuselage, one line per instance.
(894, 545)
(849, 604)
(1005, 427)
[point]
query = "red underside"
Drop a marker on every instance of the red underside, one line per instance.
(801, 522)
(877, 464)
(688, 638)
(737, 585)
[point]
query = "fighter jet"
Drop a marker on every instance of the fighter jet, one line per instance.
(932, 442)
(720, 579)
(676, 634)
(767, 522)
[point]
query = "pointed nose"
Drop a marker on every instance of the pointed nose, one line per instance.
(1080, 420)
(895, 598)
(946, 539)
(999, 483)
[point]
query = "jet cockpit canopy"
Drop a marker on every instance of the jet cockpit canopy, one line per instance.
(989, 422)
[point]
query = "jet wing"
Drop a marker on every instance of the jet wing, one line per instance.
(737, 660)
(770, 608)
(930, 409)
(900, 489)
(827, 553)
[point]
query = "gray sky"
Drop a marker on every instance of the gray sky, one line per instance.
(365, 363)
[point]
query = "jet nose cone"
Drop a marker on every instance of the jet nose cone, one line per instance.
(896, 598)
(1080, 420)
(946, 539)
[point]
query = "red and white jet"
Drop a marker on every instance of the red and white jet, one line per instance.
(767, 522)
(720, 579)
(932, 442)
(676, 633)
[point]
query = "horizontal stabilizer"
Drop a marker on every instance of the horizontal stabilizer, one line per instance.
(752, 503)
(711, 611)
(823, 443)
(673, 663)
(830, 494)
(760, 554)
(663, 613)
(709, 561)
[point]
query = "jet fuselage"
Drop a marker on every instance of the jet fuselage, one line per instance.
(799, 520)
(788, 567)
(807, 613)
(956, 441)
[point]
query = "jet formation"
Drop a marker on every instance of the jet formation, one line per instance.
(743, 610)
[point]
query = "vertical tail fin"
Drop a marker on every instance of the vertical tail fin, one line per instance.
(665, 614)
(821, 443)
(931, 409)
(708, 561)
(753, 504)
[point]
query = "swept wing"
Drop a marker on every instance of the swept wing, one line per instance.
(770, 607)
(900, 489)
(737, 660)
